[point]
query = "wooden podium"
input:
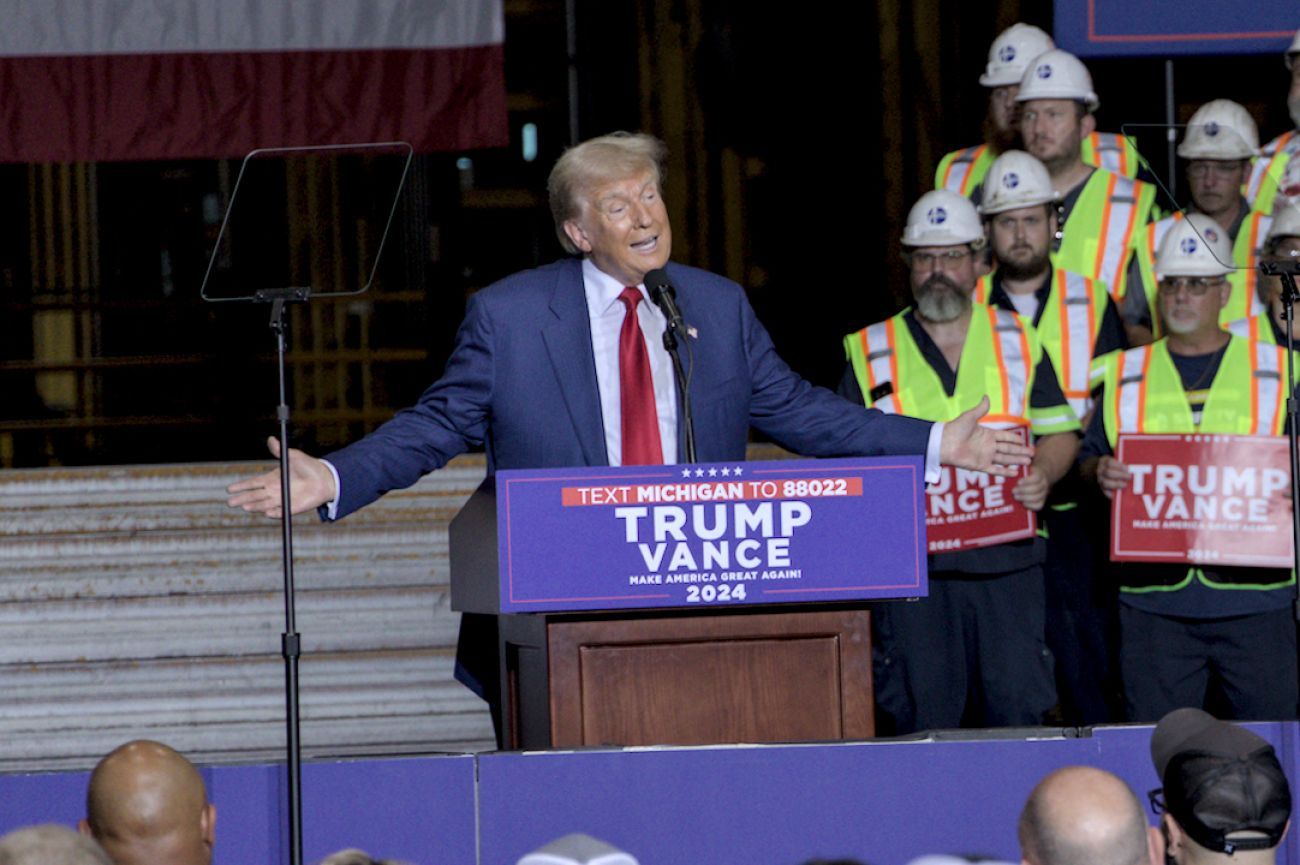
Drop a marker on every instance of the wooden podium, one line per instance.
(757, 672)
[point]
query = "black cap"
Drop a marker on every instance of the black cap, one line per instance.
(1220, 779)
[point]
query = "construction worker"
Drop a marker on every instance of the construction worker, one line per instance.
(963, 170)
(1268, 173)
(1076, 321)
(979, 636)
(1100, 211)
(1188, 632)
(1282, 244)
(1220, 141)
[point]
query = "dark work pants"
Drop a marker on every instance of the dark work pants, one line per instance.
(1082, 629)
(1247, 662)
(974, 640)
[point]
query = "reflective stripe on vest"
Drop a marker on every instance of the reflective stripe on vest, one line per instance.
(1256, 328)
(1111, 151)
(1148, 394)
(1269, 164)
(1101, 226)
(963, 170)
(1076, 312)
(886, 352)
(983, 288)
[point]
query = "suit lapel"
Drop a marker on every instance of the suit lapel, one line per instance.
(568, 343)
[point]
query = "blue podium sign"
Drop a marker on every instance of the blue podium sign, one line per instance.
(711, 534)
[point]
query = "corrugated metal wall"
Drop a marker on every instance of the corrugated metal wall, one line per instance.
(134, 603)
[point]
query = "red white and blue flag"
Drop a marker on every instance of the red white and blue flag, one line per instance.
(178, 79)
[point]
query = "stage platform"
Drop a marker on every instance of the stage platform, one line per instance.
(883, 802)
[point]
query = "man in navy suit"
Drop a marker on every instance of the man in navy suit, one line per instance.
(536, 374)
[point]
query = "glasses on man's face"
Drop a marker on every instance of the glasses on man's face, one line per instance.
(1218, 168)
(1196, 286)
(932, 260)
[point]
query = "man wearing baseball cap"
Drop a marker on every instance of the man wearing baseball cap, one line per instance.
(1224, 796)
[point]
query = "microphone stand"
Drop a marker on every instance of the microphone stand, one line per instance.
(683, 386)
(1288, 271)
(290, 644)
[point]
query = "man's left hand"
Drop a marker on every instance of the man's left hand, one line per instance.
(1032, 490)
(967, 445)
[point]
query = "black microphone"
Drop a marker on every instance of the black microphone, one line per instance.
(665, 297)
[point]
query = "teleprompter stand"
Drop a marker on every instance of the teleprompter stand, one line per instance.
(1287, 271)
(251, 261)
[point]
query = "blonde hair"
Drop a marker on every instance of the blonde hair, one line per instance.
(594, 163)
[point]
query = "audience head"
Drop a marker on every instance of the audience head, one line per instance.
(1224, 796)
(1057, 101)
(146, 805)
(1085, 816)
(353, 856)
(50, 845)
(1293, 95)
(1282, 244)
(1009, 54)
(1019, 206)
(942, 235)
(1219, 144)
(1192, 265)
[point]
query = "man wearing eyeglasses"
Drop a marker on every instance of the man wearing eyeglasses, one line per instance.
(1224, 797)
(1283, 246)
(1220, 141)
(1187, 632)
(979, 636)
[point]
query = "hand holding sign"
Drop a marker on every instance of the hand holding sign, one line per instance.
(1032, 489)
(1112, 476)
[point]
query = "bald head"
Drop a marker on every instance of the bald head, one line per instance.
(147, 805)
(1084, 816)
(50, 845)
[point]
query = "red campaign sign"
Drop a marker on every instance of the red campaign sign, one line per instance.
(1203, 499)
(966, 509)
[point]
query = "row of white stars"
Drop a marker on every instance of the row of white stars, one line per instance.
(725, 471)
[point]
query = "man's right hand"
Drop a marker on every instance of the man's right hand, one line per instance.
(1112, 475)
(311, 484)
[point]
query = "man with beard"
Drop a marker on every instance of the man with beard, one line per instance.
(1100, 211)
(1189, 632)
(1270, 168)
(1282, 245)
(1220, 141)
(1015, 48)
(1076, 321)
(977, 641)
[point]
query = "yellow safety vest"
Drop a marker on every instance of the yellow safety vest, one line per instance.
(999, 358)
(1266, 173)
(1100, 228)
(1144, 394)
(1244, 301)
(1067, 330)
(1111, 151)
(1257, 328)
(963, 170)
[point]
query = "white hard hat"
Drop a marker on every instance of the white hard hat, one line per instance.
(1220, 129)
(1011, 52)
(1291, 52)
(1058, 74)
(943, 218)
(1286, 219)
(1194, 246)
(1016, 179)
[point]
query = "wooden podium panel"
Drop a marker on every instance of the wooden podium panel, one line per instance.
(690, 679)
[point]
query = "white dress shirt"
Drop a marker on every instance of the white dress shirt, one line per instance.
(607, 312)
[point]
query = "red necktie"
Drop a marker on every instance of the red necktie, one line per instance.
(641, 444)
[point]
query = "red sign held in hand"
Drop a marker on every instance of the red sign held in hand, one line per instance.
(968, 509)
(1203, 499)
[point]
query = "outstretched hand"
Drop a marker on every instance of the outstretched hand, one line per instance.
(967, 445)
(311, 484)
